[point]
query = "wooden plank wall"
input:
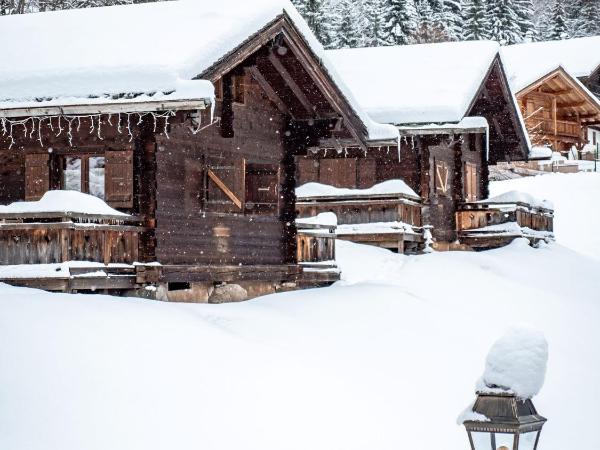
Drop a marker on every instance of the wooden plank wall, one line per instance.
(191, 235)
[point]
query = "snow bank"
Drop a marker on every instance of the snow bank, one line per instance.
(401, 84)
(574, 197)
(351, 367)
(516, 363)
(327, 218)
(540, 152)
(63, 202)
(519, 197)
(309, 190)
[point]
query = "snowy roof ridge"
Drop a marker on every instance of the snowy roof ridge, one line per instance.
(49, 63)
(579, 56)
(417, 94)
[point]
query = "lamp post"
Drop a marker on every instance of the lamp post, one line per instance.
(502, 421)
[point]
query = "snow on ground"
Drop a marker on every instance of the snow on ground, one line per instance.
(373, 362)
(575, 198)
(385, 359)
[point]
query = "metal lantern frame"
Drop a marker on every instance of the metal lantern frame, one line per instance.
(508, 415)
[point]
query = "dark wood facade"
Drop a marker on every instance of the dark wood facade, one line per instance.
(443, 169)
(215, 199)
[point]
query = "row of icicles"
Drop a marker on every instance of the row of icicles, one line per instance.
(33, 125)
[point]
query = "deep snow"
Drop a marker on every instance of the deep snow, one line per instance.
(386, 359)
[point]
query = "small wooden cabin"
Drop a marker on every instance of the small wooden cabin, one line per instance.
(451, 127)
(209, 183)
(558, 110)
(557, 84)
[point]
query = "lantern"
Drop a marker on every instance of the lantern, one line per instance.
(502, 421)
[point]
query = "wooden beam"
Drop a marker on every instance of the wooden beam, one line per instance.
(266, 86)
(280, 68)
(571, 105)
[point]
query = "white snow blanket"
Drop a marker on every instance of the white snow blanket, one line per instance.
(526, 63)
(519, 197)
(426, 83)
(63, 202)
(351, 367)
(133, 48)
(376, 227)
(326, 218)
(308, 190)
(516, 363)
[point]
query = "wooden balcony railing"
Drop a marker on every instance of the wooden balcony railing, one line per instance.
(564, 128)
(46, 238)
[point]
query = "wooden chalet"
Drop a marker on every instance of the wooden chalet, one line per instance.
(558, 110)
(557, 84)
(451, 128)
(207, 182)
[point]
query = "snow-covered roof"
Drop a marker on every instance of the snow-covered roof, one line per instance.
(389, 187)
(520, 197)
(526, 63)
(425, 83)
(143, 48)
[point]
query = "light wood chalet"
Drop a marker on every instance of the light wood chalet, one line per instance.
(211, 201)
(558, 110)
(455, 114)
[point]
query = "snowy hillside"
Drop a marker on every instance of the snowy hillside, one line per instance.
(576, 199)
(386, 359)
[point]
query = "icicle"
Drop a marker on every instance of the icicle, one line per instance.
(119, 124)
(166, 127)
(70, 133)
(59, 127)
(412, 142)
(100, 127)
(140, 118)
(32, 128)
(129, 127)
(91, 124)
(108, 120)
(40, 133)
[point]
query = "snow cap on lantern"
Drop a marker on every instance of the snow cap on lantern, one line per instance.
(503, 416)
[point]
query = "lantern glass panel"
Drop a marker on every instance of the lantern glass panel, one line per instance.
(481, 441)
(527, 441)
(504, 441)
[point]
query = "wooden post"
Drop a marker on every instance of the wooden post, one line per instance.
(555, 123)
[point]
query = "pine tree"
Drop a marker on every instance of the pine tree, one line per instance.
(317, 15)
(373, 31)
(430, 23)
(524, 11)
(586, 22)
(476, 25)
(504, 22)
(400, 21)
(454, 22)
(346, 26)
(558, 23)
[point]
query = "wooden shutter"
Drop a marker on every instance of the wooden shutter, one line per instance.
(470, 182)
(441, 177)
(119, 178)
(338, 172)
(307, 170)
(262, 188)
(37, 176)
(225, 185)
(367, 176)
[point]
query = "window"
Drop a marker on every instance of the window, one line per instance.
(220, 185)
(107, 175)
(441, 177)
(84, 173)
